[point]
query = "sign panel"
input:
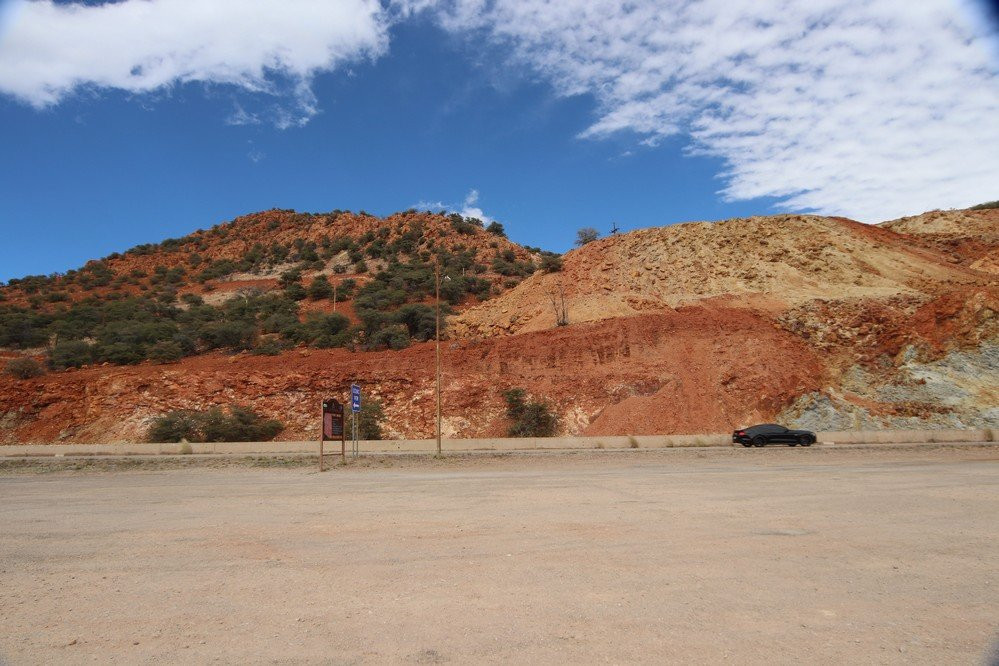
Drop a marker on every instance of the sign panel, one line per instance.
(332, 419)
(355, 398)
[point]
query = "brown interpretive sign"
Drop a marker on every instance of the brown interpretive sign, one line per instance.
(332, 428)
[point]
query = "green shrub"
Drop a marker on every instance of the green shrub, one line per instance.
(166, 351)
(240, 424)
(320, 288)
(270, 347)
(320, 330)
(121, 353)
(370, 418)
(175, 426)
(346, 288)
(22, 329)
(71, 354)
(986, 205)
(496, 228)
(551, 263)
(227, 334)
(419, 320)
(24, 368)
(529, 418)
(217, 269)
(394, 336)
(295, 292)
(586, 235)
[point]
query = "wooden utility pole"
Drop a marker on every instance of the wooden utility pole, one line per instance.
(322, 433)
(437, 345)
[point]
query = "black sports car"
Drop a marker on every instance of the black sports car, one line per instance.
(771, 433)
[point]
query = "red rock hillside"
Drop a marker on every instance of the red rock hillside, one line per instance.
(699, 327)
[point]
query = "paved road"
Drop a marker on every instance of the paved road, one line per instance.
(741, 556)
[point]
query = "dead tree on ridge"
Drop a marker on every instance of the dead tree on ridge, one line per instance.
(556, 296)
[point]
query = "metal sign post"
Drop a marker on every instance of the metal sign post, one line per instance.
(355, 409)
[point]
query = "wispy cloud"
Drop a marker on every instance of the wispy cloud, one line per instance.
(871, 110)
(467, 208)
(268, 47)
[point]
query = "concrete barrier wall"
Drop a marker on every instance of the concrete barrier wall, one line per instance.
(508, 444)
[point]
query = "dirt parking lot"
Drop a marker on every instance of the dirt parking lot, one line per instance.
(737, 556)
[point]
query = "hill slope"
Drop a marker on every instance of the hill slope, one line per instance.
(966, 237)
(689, 328)
(769, 262)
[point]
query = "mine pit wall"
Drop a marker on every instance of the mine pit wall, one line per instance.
(498, 445)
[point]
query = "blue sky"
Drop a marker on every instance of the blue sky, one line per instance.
(473, 107)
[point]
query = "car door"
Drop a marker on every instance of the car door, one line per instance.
(779, 434)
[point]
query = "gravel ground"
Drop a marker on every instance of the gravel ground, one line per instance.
(770, 555)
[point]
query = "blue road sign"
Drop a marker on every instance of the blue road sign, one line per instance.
(355, 398)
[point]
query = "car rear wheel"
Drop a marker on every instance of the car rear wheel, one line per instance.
(759, 440)
(804, 440)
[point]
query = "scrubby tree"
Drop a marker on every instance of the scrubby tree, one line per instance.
(24, 368)
(586, 235)
(370, 419)
(393, 336)
(551, 263)
(70, 354)
(240, 424)
(529, 418)
(496, 228)
(320, 288)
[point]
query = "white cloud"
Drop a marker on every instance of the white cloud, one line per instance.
(466, 208)
(868, 109)
(871, 110)
(273, 47)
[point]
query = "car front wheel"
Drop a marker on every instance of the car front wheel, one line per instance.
(805, 440)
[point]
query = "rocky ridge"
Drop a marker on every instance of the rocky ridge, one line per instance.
(821, 322)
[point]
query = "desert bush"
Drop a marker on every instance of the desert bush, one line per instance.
(551, 263)
(71, 354)
(239, 424)
(986, 205)
(370, 419)
(166, 351)
(227, 334)
(320, 330)
(24, 368)
(346, 288)
(419, 320)
(320, 288)
(22, 329)
(586, 235)
(295, 292)
(120, 353)
(529, 418)
(393, 336)
(174, 426)
(269, 347)
(496, 228)
(217, 269)
(464, 226)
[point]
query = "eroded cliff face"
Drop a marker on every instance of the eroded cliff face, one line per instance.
(821, 322)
